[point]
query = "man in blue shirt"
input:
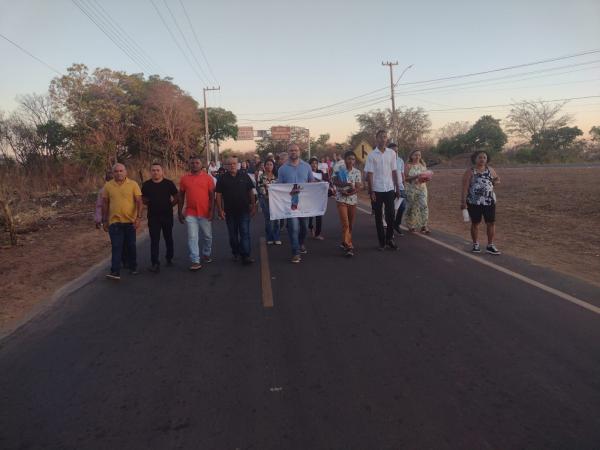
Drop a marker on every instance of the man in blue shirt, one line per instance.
(400, 175)
(295, 171)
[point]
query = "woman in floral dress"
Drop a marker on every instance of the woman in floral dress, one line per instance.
(417, 211)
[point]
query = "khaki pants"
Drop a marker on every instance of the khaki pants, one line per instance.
(347, 213)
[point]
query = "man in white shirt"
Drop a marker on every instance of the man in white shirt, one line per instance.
(383, 187)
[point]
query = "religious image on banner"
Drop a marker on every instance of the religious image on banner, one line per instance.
(288, 200)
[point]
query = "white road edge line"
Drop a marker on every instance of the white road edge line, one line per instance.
(518, 276)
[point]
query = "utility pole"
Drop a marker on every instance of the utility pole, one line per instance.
(393, 121)
(392, 86)
(206, 133)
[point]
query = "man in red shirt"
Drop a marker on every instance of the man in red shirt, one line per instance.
(196, 190)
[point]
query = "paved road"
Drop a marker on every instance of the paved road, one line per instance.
(422, 348)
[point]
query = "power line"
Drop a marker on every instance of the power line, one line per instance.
(517, 75)
(511, 104)
(102, 28)
(515, 66)
(444, 78)
(184, 38)
(108, 23)
(31, 55)
(125, 36)
(323, 107)
(177, 42)
(198, 42)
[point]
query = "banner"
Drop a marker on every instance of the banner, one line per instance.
(297, 200)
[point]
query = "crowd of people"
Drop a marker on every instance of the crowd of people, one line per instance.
(233, 192)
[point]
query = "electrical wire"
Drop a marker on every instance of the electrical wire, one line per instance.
(185, 39)
(126, 36)
(41, 61)
(177, 43)
(102, 28)
(198, 43)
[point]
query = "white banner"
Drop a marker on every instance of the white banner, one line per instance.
(297, 200)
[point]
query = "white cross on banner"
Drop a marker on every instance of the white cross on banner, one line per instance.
(288, 200)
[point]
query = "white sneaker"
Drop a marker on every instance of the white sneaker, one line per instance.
(476, 248)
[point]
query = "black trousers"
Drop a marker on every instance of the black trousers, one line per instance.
(156, 224)
(384, 199)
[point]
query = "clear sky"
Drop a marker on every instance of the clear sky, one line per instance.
(274, 56)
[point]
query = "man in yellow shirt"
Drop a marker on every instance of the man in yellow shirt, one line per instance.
(121, 214)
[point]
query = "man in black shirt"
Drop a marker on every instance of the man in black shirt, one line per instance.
(160, 195)
(236, 203)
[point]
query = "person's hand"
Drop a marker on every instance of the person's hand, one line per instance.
(222, 215)
(181, 217)
(105, 227)
(397, 193)
(136, 224)
(373, 197)
(210, 215)
(463, 205)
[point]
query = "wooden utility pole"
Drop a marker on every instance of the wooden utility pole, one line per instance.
(206, 133)
(393, 121)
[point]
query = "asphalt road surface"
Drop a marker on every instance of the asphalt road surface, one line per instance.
(421, 348)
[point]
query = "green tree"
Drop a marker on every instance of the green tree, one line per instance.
(222, 125)
(54, 138)
(595, 133)
(556, 144)
(485, 134)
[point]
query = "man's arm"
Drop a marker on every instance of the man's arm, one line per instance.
(211, 202)
(139, 207)
(219, 203)
(370, 186)
(252, 200)
(180, 202)
(105, 209)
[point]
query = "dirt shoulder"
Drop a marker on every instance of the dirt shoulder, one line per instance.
(59, 251)
(547, 216)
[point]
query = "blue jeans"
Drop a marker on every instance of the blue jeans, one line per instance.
(194, 225)
(238, 227)
(122, 235)
(297, 232)
(271, 226)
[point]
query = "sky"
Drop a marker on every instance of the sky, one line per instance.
(270, 58)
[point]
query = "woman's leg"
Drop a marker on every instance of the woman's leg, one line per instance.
(351, 216)
(491, 232)
(318, 225)
(474, 232)
(343, 213)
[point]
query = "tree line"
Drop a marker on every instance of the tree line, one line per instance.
(95, 119)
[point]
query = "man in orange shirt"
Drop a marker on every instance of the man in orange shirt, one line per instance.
(197, 191)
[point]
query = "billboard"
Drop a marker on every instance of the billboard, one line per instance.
(281, 133)
(245, 134)
(261, 134)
